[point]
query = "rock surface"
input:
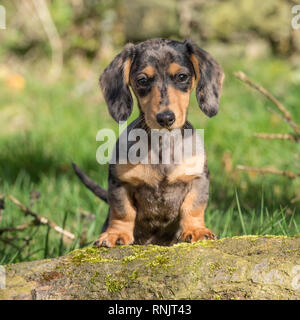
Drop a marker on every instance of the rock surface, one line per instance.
(249, 267)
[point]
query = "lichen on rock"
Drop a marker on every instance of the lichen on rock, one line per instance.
(248, 267)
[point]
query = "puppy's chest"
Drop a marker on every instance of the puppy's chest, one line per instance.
(160, 205)
(153, 175)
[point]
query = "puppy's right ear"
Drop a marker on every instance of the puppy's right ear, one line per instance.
(114, 82)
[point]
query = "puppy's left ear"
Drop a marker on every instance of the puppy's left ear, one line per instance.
(114, 82)
(209, 78)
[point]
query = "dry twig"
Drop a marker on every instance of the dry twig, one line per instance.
(42, 220)
(289, 174)
(20, 227)
(291, 123)
(280, 136)
(285, 113)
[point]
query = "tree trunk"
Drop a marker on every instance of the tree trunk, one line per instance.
(249, 267)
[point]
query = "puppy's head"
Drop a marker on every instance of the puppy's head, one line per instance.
(162, 74)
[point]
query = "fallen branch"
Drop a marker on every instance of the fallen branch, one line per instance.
(285, 113)
(289, 174)
(291, 123)
(20, 227)
(280, 136)
(11, 242)
(20, 249)
(42, 220)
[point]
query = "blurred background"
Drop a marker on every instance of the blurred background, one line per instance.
(51, 56)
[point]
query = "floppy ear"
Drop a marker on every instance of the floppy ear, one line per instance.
(114, 84)
(209, 78)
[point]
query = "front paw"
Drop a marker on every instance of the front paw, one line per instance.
(196, 234)
(110, 239)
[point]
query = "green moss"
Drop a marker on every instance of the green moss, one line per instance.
(201, 243)
(213, 267)
(255, 237)
(297, 235)
(90, 254)
(134, 275)
(93, 278)
(160, 261)
(207, 243)
(133, 257)
(145, 253)
(114, 285)
(231, 269)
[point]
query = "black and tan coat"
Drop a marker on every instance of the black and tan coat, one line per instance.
(158, 203)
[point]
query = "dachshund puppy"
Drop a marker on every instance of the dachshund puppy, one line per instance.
(158, 203)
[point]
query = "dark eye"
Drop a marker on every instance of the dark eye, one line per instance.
(143, 81)
(181, 77)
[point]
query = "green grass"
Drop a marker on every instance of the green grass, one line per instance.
(44, 126)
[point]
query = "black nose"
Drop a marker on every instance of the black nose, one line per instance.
(165, 119)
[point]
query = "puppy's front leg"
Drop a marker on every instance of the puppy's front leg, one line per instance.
(121, 219)
(192, 218)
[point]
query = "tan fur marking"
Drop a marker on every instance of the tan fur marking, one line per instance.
(120, 225)
(154, 108)
(138, 174)
(188, 203)
(192, 220)
(192, 217)
(193, 83)
(174, 68)
(149, 71)
(184, 178)
(151, 106)
(126, 70)
(188, 170)
(179, 102)
(127, 208)
(196, 66)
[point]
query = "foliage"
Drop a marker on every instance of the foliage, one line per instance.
(44, 125)
(88, 27)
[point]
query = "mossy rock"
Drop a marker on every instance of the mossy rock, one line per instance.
(249, 267)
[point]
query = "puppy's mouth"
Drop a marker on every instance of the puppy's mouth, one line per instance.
(153, 125)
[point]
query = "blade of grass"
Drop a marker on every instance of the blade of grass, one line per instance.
(46, 247)
(61, 242)
(228, 220)
(240, 214)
